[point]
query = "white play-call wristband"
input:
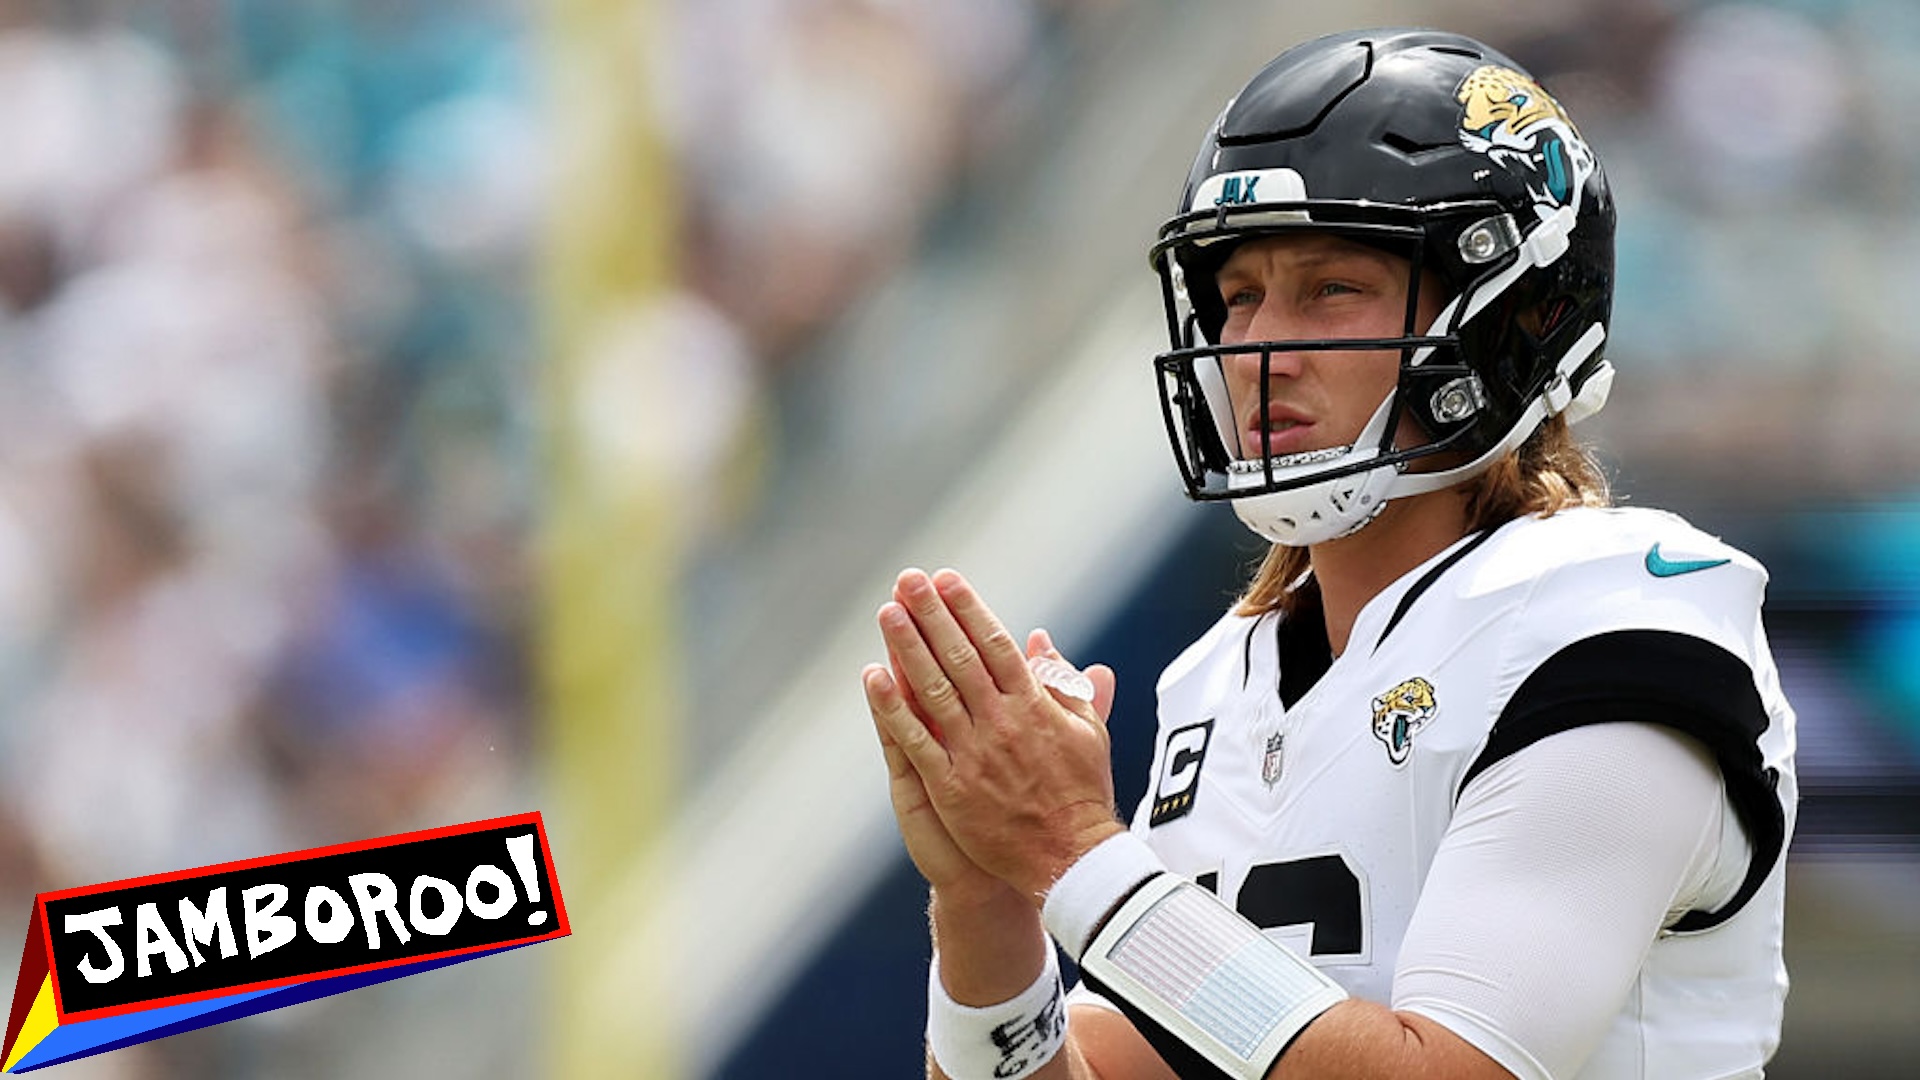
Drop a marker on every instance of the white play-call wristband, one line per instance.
(1182, 964)
(1195, 969)
(1007, 1041)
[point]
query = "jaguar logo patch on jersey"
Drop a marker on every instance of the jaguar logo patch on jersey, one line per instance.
(1509, 118)
(1179, 778)
(1401, 712)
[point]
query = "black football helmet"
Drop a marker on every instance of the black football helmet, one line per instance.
(1442, 150)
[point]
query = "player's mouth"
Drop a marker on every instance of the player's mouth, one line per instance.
(1281, 432)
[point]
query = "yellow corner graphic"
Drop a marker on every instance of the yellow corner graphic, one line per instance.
(40, 1022)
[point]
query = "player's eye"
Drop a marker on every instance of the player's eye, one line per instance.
(1241, 298)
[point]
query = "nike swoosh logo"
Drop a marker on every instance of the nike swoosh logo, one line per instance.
(1660, 566)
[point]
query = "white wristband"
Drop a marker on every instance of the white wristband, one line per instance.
(1093, 886)
(997, 1042)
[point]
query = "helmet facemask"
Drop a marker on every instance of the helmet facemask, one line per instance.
(1309, 496)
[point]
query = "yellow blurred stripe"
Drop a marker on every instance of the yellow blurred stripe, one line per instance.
(609, 560)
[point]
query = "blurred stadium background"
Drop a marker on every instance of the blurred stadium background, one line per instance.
(415, 411)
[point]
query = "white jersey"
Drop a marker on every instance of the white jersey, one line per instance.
(1313, 793)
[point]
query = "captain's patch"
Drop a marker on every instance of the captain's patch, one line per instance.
(1179, 778)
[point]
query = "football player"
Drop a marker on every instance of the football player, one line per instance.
(1480, 777)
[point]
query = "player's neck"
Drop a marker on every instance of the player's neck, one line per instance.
(1354, 569)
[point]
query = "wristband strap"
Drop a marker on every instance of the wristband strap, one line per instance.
(997, 1042)
(1094, 886)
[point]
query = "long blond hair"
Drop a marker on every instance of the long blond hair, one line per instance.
(1551, 471)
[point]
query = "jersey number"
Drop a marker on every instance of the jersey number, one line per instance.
(1321, 890)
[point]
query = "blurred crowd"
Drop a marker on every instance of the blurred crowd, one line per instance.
(268, 359)
(818, 147)
(261, 511)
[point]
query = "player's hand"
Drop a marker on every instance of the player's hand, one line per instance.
(1018, 773)
(954, 878)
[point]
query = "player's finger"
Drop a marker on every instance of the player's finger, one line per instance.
(947, 642)
(906, 691)
(896, 758)
(1104, 685)
(995, 644)
(908, 788)
(899, 769)
(1088, 693)
(898, 726)
(1038, 644)
(921, 675)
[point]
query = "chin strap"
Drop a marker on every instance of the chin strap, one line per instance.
(1334, 508)
(1555, 398)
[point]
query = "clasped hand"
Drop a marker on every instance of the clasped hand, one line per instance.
(995, 778)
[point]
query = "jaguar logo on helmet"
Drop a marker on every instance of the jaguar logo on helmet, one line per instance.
(1401, 712)
(1508, 117)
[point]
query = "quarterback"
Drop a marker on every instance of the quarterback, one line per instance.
(1481, 776)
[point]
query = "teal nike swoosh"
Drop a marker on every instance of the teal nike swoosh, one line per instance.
(1659, 566)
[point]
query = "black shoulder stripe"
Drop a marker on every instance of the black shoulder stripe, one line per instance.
(1246, 653)
(1426, 580)
(1653, 676)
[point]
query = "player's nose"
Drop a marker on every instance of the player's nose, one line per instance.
(1257, 365)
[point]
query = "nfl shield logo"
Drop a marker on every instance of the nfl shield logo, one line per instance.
(1270, 765)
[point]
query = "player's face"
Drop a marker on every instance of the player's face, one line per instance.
(1313, 286)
